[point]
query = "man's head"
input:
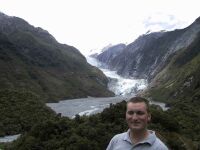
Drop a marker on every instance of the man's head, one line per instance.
(138, 114)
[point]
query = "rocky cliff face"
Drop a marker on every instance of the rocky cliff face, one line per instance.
(150, 53)
(31, 59)
(180, 78)
(109, 54)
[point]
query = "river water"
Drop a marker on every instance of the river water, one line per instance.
(9, 138)
(84, 106)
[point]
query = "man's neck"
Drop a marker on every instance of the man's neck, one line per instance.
(138, 136)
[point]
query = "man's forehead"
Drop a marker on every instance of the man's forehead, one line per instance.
(139, 105)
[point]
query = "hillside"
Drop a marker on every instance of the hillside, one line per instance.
(20, 110)
(180, 78)
(31, 59)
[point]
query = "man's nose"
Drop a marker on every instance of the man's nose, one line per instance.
(134, 116)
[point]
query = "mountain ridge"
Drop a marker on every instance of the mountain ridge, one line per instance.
(149, 53)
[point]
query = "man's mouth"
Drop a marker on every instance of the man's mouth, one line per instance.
(135, 123)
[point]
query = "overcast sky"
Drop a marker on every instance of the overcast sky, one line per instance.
(93, 24)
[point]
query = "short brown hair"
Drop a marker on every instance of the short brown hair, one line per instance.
(140, 100)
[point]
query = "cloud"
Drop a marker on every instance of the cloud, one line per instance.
(160, 21)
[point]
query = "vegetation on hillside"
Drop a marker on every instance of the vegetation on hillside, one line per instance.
(180, 79)
(20, 110)
(95, 132)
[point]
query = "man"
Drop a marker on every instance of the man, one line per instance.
(138, 137)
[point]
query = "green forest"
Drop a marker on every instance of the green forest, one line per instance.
(42, 129)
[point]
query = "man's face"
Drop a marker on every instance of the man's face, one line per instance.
(137, 116)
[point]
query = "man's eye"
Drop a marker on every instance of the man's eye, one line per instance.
(140, 113)
(130, 112)
(136, 112)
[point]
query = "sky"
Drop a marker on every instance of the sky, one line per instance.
(90, 25)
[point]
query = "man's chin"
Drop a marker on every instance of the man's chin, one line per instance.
(136, 128)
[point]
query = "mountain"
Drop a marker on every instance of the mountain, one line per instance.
(32, 59)
(179, 80)
(150, 53)
(110, 53)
